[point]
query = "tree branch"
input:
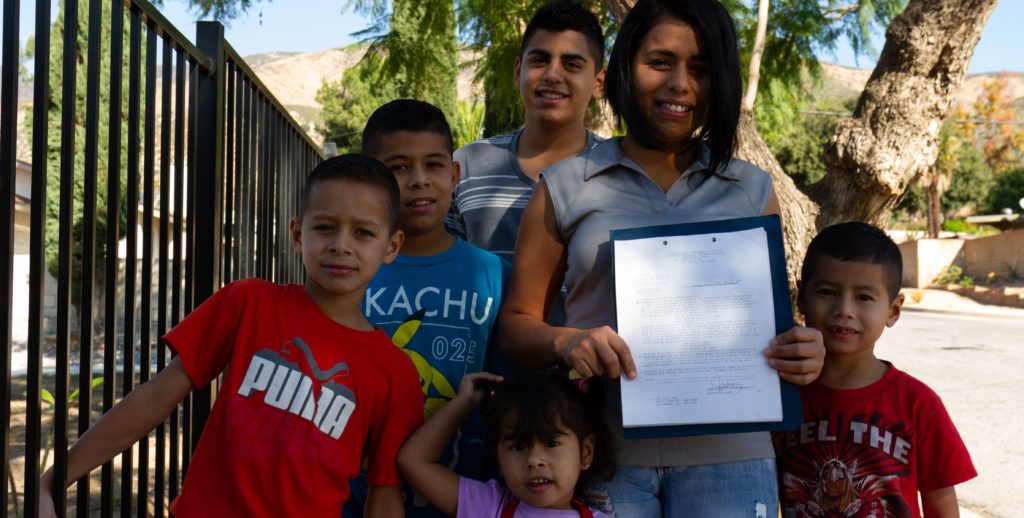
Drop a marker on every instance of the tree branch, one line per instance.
(754, 74)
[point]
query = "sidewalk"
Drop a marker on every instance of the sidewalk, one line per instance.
(941, 301)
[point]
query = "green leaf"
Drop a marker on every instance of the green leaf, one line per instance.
(93, 384)
(47, 396)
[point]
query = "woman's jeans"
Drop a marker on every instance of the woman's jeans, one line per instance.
(747, 489)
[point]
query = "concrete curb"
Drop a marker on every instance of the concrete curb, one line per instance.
(967, 312)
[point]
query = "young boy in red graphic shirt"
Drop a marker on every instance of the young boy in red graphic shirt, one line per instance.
(311, 387)
(872, 437)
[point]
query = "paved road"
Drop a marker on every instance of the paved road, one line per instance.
(976, 364)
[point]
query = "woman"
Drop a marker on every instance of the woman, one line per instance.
(673, 78)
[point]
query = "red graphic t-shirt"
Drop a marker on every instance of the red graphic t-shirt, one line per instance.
(867, 452)
(301, 398)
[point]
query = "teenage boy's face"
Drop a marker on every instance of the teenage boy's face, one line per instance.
(848, 302)
(344, 237)
(557, 77)
(426, 177)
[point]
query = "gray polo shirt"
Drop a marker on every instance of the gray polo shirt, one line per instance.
(605, 190)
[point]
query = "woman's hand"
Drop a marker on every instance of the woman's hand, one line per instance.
(596, 352)
(798, 354)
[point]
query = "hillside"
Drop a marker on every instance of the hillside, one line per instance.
(296, 77)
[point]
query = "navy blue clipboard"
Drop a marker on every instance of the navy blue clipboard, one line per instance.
(792, 412)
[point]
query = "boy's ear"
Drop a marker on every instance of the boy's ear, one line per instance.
(456, 173)
(895, 309)
(517, 69)
(587, 452)
(295, 232)
(394, 245)
(598, 85)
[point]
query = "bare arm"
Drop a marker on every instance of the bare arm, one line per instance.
(417, 460)
(538, 271)
(940, 503)
(142, 410)
(384, 502)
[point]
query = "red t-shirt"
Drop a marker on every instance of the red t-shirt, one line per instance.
(868, 451)
(304, 399)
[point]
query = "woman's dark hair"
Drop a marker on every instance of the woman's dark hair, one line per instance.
(716, 34)
(542, 405)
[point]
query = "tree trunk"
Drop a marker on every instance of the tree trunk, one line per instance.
(798, 211)
(892, 136)
(934, 212)
(619, 8)
(754, 72)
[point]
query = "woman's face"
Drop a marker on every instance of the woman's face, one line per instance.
(671, 82)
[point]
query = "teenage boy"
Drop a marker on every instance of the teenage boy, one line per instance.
(560, 68)
(312, 387)
(872, 436)
(439, 299)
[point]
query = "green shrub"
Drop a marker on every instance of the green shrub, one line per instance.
(952, 275)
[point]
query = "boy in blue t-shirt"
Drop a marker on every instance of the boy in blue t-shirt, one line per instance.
(439, 299)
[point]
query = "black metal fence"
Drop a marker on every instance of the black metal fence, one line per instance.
(200, 195)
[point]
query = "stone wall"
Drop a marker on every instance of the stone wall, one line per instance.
(1002, 255)
(926, 259)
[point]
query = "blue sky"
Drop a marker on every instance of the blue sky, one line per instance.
(306, 25)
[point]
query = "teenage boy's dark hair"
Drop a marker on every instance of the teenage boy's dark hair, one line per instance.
(857, 242)
(358, 169)
(561, 16)
(537, 403)
(716, 35)
(405, 115)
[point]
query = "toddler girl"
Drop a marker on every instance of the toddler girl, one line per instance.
(548, 440)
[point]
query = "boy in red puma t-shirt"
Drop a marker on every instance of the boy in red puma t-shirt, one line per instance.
(311, 388)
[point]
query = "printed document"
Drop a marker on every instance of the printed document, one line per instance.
(697, 313)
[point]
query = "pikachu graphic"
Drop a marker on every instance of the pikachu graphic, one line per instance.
(430, 378)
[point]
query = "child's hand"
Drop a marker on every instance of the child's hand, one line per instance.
(476, 385)
(798, 354)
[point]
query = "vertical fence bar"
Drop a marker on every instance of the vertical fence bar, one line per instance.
(92, 108)
(209, 177)
(230, 167)
(249, 170)
(254, 172)
(66, 227)
(131, 242)
(275, 198)
(264, 182)
(188, 445)
(8, 172)
(37, 254)
(179, 215)
(166, 213)
(240, 174)
(146, 314)
(110, 325)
